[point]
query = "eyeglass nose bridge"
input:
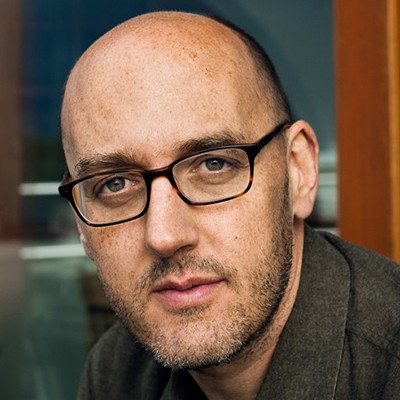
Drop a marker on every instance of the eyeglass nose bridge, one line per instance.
(166, 172)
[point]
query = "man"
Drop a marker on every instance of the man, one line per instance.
(199, 237)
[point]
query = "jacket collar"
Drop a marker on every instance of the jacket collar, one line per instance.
(306, 362)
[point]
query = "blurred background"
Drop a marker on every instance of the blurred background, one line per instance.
(51, 307)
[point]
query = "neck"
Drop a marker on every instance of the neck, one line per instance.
(242, 377)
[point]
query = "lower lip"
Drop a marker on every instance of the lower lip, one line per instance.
(193, 297)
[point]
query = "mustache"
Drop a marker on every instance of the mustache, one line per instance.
(186, 264)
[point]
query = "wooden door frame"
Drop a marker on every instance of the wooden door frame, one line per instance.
(367, 70)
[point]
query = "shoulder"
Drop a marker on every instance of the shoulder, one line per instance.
(374, 298)
(118, 368)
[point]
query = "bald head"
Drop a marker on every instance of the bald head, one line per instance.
(154, 65)
(166, 43)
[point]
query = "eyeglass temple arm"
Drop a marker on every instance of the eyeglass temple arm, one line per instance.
(266, 139)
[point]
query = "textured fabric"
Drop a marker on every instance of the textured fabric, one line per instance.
(342, 340)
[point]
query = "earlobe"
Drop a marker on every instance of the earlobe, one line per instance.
(303, 153)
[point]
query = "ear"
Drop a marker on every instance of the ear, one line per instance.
(303, 153)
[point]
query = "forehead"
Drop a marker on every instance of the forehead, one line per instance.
(145, 99)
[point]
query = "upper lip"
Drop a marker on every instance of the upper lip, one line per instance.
(179, 283)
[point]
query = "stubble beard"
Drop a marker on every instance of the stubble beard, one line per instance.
(194, 341)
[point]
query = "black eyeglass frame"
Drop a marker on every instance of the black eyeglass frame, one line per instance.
(252, 150)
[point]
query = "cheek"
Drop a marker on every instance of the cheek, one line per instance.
(239, 231)
(114, 250)
(247, 225)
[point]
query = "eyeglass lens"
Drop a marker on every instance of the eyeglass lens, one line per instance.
(201, 179)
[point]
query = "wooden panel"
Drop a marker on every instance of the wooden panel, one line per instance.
(394, 98)
(366, 57)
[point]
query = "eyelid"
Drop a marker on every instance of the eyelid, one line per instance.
(103, 174)
(99, 184)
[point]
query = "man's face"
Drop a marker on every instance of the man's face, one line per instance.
(194, 284)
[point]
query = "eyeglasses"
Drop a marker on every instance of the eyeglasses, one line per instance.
(206, 177)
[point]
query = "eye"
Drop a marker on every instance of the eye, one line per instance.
(220, 162)
(215, 164)
(114, 185)
(118, 184)
(213, 167)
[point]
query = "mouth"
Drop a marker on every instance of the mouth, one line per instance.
(187, 292)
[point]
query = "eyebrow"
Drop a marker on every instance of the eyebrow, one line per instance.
(99, 162)
(225, 138)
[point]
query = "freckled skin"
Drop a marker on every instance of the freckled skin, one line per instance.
(148, 86)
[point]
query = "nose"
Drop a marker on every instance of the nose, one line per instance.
(170, 222)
